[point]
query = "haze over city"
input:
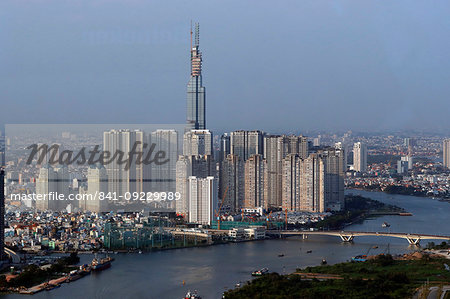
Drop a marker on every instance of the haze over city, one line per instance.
(328, 65)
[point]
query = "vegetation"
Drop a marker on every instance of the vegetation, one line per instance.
(356, 208)
(443, 245)
(382, 277)
(32, 275)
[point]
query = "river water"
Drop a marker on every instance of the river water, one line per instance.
(213, 269)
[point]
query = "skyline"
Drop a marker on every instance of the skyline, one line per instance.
(377, 76)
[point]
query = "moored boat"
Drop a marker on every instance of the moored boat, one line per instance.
(260, 272)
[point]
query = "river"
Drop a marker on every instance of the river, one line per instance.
(211, 270)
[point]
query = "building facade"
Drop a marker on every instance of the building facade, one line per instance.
(359, 157)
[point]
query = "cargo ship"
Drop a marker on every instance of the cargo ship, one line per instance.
(101, 264)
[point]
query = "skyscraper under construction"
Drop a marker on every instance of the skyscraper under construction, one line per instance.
(196, 98)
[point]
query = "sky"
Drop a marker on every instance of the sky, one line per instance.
(270, 65)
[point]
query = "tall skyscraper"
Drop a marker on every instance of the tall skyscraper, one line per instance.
(197, 142)
(124, 178)
(202, 199)
(359, 157)
(196, 97)
(256, 182)
(2, 213)
(446, 150)
(246, 143)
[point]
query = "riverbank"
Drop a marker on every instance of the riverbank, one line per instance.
(400, 190)
(380, 277)
(358, 209)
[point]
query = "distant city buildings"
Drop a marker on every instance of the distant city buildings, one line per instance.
(359, 157)
(446, 153)
(404, 164)
(52, 186)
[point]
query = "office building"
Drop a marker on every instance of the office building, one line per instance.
(359, 157)
(196, 93)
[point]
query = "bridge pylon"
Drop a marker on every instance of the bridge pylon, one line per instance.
(346, 238)
(413, 241)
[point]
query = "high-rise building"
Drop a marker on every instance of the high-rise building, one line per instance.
(303, 187)
(124, 177)
(256, 182)
(359, 157)
(52, 185)
(225, 148)
(246, 143)
(276, 148)
(2, 213)
(196, 94)
(202, 199)
(97, 180)
(187, 166)
(446, 151)
(334, 178)
(162, 176)
(197, 142)
(314, 184)
(232, 180)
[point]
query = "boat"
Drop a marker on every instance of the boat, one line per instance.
(281, 255)
(385, 224)
(101, 264)
(260, 272)
(192, 295)
(359, 258)
(309, 251)
(375, 247)
(324, 261)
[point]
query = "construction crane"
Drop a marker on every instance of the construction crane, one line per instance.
(220, 207)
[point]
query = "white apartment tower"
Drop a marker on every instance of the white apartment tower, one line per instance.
(359, 157)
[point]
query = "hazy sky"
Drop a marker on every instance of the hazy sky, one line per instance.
(271, 65)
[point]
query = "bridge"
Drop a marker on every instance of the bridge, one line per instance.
(14, 256)
(348, 236)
